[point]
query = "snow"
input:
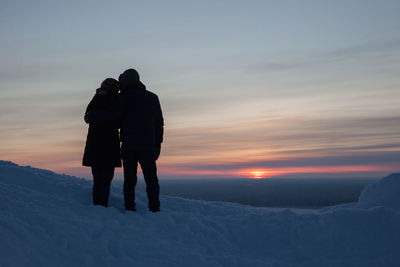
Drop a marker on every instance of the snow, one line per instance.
(47, 219)
(385, 193)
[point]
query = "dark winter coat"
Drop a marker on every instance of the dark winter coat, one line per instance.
(142, 123)
(102, 143)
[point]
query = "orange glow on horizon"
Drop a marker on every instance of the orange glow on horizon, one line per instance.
(263, 173)
(258, 174)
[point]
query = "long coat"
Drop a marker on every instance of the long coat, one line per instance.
(102, 143)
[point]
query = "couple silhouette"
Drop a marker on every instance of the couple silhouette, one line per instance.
(124, 111)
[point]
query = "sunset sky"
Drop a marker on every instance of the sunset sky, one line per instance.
(248, 88)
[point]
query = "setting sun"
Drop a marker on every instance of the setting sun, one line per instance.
(257, 174)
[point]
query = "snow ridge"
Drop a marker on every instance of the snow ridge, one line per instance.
(47, 219)
(384, 193)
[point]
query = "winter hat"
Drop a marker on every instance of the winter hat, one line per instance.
(110, 84)
(130, 76)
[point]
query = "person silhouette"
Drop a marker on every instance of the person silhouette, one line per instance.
(141, 132)
(102, 149)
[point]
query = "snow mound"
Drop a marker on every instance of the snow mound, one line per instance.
(386, 193)
(47, 219)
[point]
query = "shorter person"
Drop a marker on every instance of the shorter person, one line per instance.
(102, 150)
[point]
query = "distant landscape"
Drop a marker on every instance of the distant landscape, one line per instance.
(271, 192)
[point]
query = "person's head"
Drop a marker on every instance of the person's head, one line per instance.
(129, 78)
(110, 85)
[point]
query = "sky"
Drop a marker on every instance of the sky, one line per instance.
(248, 88)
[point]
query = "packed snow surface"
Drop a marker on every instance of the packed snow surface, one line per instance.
(47, 219)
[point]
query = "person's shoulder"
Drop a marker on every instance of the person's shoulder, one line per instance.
(151, 94)
(98, 97)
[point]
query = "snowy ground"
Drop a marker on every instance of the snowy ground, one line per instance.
(47, 219)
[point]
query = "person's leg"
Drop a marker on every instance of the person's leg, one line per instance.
(102, 177)
(130, 179)
(96, 185)
(148, 164)
(109, 175)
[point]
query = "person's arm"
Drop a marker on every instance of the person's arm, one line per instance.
(159, 128)
(91, 106)
(111, 114)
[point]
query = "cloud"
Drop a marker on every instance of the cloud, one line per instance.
(289, 132)
(286, 143)
(315, 60)
(382, 46)
(389, 158)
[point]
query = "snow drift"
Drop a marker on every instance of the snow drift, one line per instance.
(385, 193)
(47, 219)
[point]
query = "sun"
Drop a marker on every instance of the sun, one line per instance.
(257, 174)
